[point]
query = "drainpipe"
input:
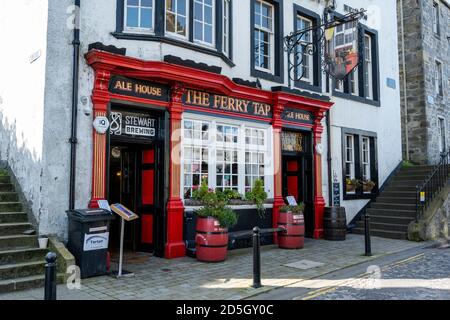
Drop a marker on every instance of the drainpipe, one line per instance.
(75, 78)
(405, 99)
(330, 179)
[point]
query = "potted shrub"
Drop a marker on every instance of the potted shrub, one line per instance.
(213, 220)
(351, 184)
(368, 185)
(291, 218)
(258, 196)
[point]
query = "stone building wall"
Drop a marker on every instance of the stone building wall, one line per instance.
(436, 48)
(416, 118)
(422, 48)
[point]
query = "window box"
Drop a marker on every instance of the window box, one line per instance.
(233, 202)
(360, 164)
(368, 186)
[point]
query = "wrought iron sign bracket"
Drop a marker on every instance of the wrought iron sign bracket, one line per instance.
(307, 42)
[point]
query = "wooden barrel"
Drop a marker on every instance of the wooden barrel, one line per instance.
(334, 223)
(211, 241)
(294, 237)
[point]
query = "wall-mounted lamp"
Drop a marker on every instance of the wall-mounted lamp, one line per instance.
(87, 110)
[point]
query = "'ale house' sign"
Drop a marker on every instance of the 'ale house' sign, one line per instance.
(139, 88)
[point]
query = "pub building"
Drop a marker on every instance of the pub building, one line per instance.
(140, 105)
(172, 126)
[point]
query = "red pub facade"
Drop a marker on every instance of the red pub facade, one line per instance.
(151, 99)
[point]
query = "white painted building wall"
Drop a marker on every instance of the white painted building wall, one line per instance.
(23, 35)
(98, 21)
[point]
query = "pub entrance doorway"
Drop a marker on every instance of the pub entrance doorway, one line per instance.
(297, 169)
(136, 179)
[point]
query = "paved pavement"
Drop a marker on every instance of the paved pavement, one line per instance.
(186, 278)
(414, 274)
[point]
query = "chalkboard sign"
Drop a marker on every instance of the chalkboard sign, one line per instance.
(336, 194)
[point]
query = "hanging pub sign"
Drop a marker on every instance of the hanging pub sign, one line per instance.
(226, 104)
(133, 124)
(299, 116)
(341, 49)
(139, 88)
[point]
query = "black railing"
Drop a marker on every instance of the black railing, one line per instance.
(433, 184)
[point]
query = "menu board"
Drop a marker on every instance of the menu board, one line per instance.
(124, 212)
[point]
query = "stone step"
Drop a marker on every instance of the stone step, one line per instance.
(396, 213)
(5, 179)
(400, 187)
(25, 283)
(10, 206)
(390, 219)
(18, 242)
(397, 200)
(384, 226)
(19, 270)
(393, 206)
(412, 175)
(9, 229)
(424, 168)
(9, 197)
(22, 255)
(407, 180)
(6, 187)
(405, 183)
(11, 217)
(383, 233)
(398, 194)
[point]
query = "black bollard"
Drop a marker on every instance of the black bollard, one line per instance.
(50, 276)
(367, 235)
(256, 258)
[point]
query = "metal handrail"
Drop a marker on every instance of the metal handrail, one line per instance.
(433, 184)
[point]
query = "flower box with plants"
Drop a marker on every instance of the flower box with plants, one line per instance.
(352, 184)
(291, 218)
(213, 220)
(368, 185)
(256, 197)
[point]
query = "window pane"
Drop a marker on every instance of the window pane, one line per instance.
(198, 11)
(208, 34)
(146, 3)
(181, 7)
(133, 2)
(208, 15)
(146, 18)
(198, 31)
(181, 26)
(170, 22)
(170, 5)
(133, 17)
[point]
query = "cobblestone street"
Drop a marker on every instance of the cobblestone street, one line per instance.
(187, 278)
(424, 277)
(421, 273)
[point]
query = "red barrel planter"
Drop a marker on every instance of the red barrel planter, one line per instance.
(211, 241)
(294, 237)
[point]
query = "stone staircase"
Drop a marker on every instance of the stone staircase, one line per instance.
(395, 207)
(21, 260)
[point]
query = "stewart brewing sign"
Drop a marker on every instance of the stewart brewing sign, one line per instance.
(341, 49)
(132, 124)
